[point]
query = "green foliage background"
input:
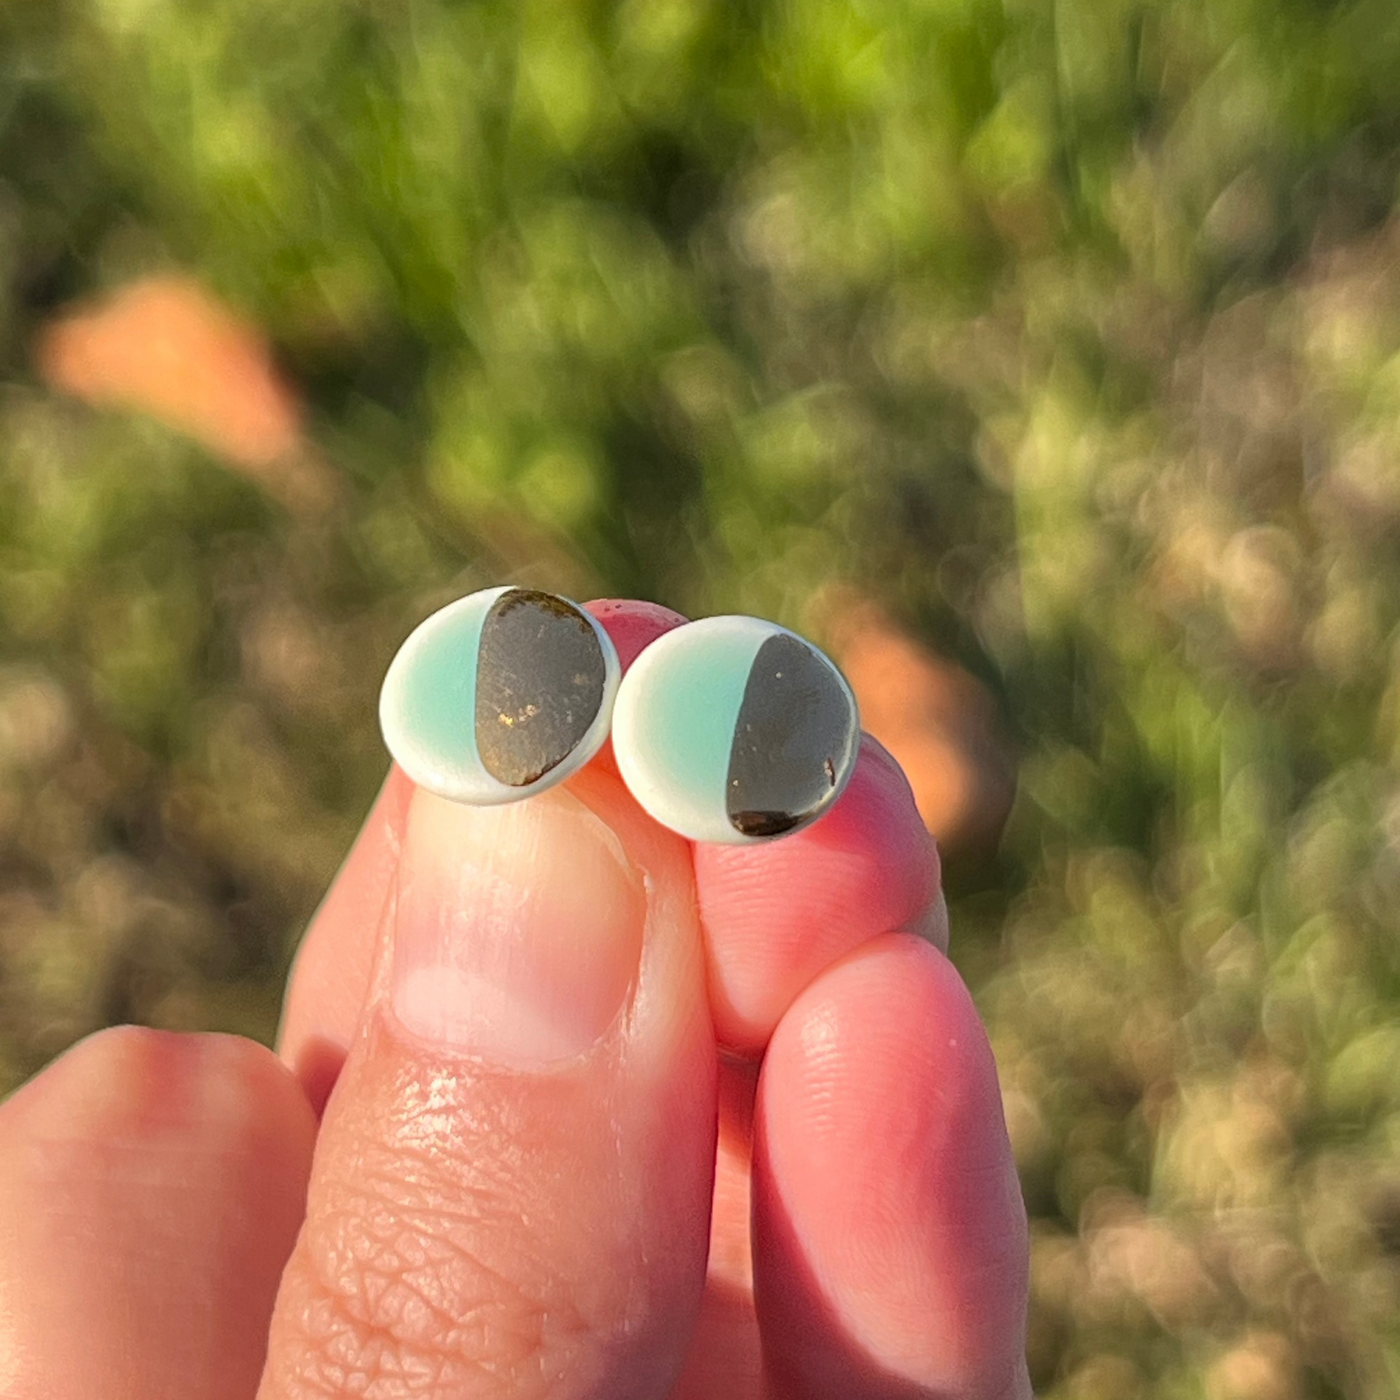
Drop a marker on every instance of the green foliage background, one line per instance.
(1069, 329)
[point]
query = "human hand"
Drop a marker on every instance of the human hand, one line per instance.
(515, 1184)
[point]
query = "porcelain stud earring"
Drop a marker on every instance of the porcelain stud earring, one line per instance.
(499, 695)
(734, 730)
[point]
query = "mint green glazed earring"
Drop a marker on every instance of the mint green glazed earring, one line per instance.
(499, 695)
(734, 730)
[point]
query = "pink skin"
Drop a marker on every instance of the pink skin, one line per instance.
(886, 1255)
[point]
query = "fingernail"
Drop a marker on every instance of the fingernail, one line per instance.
(518, 929)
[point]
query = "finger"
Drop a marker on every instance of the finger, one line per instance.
(512, 1183)
(724, 1358)
(330, 979)
(633, 625)
(890, 1253)
(776, 915)
(151, 1186)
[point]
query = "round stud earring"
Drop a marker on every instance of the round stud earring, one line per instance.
(499, 695)
(733, 730)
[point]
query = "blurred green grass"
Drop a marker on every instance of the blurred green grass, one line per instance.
(1068, 333)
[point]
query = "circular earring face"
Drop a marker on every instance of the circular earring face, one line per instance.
(499, 695)
(733, 730)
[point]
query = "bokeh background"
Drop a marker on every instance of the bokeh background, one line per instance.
(1040, 357)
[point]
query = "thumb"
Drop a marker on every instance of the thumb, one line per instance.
(511, 1189)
